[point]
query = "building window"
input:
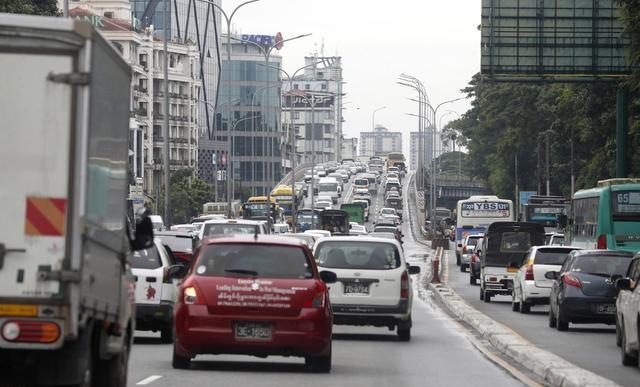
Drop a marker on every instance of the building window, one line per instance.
(307, 86)
(108, 15)
(295, 87)
(295, 115)
(324, 86)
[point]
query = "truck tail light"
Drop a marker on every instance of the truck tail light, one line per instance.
(528, 274)
(602, 242)
(20, 331)
(404, 285)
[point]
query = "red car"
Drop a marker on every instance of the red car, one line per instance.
(254, 295)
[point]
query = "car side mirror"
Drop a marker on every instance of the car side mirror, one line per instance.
(414, 269)
(551, 275)
(328, 277)
(623, 284)
(176, 271)
(143, 236)
(460, 245)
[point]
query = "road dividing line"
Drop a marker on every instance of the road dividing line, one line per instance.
(148, 380)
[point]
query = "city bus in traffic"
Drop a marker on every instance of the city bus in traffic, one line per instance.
(476, 213)
(545, 210)
(606, 216)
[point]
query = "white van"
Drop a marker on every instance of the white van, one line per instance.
(329, 187)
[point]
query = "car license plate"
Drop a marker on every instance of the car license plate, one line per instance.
(356, 288)
(253, 331)
(606, 308)
(512, 270)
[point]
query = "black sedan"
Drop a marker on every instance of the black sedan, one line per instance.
(584, 290)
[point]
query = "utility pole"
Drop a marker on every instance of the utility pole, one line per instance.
(167, 208)
(547, 157)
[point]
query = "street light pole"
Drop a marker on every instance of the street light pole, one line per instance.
(290, 79)
(166, 133)
(266, 51)
(228, 19)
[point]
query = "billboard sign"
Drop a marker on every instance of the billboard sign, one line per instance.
(561, 40)
(306, 100)
(264, 40)
(525, 195)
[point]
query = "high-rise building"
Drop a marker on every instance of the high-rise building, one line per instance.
(314, 103)
(255, 119)
(195, 22)
(380, 142)
(145, 55)
(414, 148)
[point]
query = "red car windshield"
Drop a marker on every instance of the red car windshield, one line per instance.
(253, 260)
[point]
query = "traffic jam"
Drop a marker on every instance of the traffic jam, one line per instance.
(224, 285)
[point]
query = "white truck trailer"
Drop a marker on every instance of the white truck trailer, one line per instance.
(66, 292)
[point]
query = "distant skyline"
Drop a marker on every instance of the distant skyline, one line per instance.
(435, 41)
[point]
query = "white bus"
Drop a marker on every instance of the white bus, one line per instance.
(476, 213)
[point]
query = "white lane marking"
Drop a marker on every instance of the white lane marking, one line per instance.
(148, 380)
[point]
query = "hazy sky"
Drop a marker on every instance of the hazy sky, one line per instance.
(436, 41)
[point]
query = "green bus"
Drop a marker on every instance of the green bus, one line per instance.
(606, 217)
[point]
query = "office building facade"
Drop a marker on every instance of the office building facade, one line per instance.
(380, 142)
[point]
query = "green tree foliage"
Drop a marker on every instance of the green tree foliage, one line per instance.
(30, 7)
(187, 195)
(509, 120)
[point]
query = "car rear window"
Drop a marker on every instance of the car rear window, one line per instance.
(253, 260)
(515, 242)
(601, 265)
(551, 256)
(180, 243)
(358, 255)
(392, 229)
(472, 241)
(229, 229)
(361, 182)
(146, 259)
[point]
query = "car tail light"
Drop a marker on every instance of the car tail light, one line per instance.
(528, 275)
(572, 281)
(602, 242)
(44, 332)
(316, 302)
(190, 296)
(404, 285)
(182, 256)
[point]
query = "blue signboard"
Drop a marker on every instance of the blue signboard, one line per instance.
(525, 195)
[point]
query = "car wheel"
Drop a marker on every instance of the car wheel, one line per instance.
(561, 324)
(166, 334)
(525, 307)
(515, 306)
(180, 362)
(404, 330)
(552, 319)
(481, 293)
(472, 279)
(457, 260)
(628, 359)
(462, 268)
(487, 297)
(320, 364)
(113, 372)
(618, 333)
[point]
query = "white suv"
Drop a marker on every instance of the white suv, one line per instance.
(627, 311)
(374, 284)
(156, 289)
(530, 287)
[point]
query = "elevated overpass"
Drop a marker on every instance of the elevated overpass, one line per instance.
(452, 187)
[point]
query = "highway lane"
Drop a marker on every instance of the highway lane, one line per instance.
(439, 353)
(590, 346)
